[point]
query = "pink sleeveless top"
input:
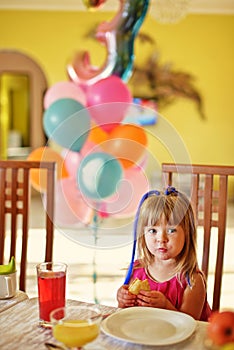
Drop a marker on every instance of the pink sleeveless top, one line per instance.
(172, 289)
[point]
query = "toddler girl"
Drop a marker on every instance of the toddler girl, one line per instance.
(165, 233)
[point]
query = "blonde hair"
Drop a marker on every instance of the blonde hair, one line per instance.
(175, 207)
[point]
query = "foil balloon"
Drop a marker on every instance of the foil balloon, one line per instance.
(81, 71)
(118, 36)
(93, 4)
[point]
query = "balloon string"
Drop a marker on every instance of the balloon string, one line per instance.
(95, 235)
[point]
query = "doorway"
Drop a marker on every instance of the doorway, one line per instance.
(22, 88)
(14, 99)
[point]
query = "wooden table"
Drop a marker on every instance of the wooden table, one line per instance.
(20, 331)
(8, 303)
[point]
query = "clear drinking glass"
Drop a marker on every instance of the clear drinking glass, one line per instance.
(76, 326)
(51, 277)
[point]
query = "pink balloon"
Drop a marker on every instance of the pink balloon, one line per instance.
(111, 89)
(70, 207)
(109, 100)
(134, 184)
(71, 161)
(89, 147)
(142, 163)
(102, 211)
(64, 89)
(93, 4)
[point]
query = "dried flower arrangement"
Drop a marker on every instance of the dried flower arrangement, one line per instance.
(161, 83)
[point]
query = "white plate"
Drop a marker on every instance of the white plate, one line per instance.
(149, 326)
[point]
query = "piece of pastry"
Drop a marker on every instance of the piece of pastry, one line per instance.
(136, 285)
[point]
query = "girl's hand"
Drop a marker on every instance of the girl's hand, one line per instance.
(125, 298)
(152, 298)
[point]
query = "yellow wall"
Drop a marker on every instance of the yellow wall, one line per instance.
(201, 45)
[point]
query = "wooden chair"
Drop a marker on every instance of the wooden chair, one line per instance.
(15, 196)
(209, 194)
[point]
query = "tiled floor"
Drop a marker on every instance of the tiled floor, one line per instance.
(108, 263)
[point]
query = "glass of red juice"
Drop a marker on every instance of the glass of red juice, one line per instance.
(51, 278)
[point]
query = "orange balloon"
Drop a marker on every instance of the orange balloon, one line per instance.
(127, 143)
(97, 134)
(38, 176)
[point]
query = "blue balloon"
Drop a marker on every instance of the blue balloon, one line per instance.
(99, 175)
(67, 122)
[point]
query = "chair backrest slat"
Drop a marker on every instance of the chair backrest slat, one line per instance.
(50, 216)
(194, 197)
(210, 208)
(206, 222)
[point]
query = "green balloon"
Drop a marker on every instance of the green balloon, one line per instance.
(99, 175)
(67, 122)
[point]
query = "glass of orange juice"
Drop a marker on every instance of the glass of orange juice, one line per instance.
(76, 326)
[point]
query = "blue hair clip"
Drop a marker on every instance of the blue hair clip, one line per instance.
(188, 280)
(145, 196)
(170, 190)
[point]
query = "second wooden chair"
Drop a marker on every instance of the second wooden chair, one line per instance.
(208, 186)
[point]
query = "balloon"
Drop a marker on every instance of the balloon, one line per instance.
(111, 89)
(132, 187)
(89, 147)
(133, 15)
(102, 211)
(71, 161)
(64, 89)
(109, 98)
(70, 207)
(142, 162)
(67, 122)
(38, 176)
(82, 72)
(141, 113)
(93, 4)
(118, 36)
(127, 143)
(98, 175)
(97, 134)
